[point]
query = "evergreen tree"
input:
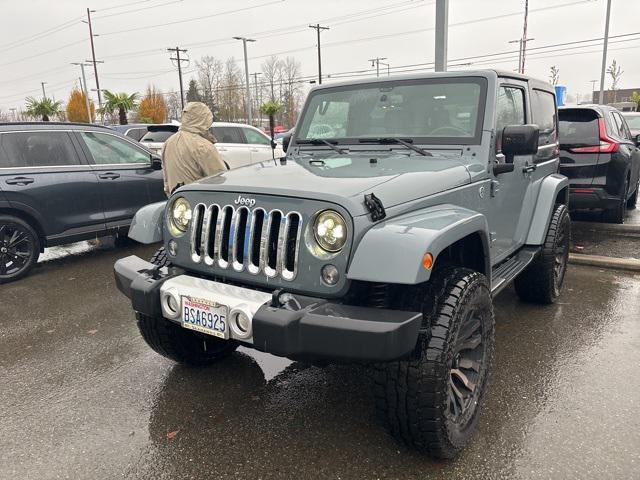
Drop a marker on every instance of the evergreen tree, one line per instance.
(193, 95)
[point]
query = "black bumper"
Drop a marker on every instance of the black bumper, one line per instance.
(591, 197)
(302, 328)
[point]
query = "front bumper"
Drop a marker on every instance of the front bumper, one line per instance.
(295, 326)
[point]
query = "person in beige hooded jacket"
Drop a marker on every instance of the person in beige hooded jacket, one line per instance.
(190, 154)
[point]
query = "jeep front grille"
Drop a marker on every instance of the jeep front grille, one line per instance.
(239, 238)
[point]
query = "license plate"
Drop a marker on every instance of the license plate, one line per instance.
(205, 316)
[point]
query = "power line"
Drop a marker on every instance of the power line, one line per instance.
(37, 36)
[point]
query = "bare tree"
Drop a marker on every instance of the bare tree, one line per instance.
(210, 71)
(173, 106)
(615, 71)
(554, 75)
(272, 74)
(231, 98)
(290, 72)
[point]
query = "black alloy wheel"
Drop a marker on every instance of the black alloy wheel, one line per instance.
(19, 248)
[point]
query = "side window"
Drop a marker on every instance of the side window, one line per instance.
(228, 134)
(510, 108)
(38, 149)
(255, 138)
(136, 133)
(621, 128)
(110, 150)
(544, 115)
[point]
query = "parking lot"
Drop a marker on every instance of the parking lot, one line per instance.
(84, 397)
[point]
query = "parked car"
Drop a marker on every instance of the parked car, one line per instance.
(633, 121)
(241, 144)
(384, 245)
(156, 136)
(61, 183)
(601, 159)
(132, 130)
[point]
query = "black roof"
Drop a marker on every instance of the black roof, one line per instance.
(8, 126)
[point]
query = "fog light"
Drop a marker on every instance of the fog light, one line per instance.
(172, 304)
(330, 274)
(173, 248)
(241, 323)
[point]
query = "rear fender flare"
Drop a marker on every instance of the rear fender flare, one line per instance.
(147, 224)
(547, 199)
(392, 251)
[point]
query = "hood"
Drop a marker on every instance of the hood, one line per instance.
(197, 118)
(344, 179)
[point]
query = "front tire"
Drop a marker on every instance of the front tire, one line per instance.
(432, 401)
(542, 280)
(19, 248)
(176, 343)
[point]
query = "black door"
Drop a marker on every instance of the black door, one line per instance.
(127, 181)
(43, 174)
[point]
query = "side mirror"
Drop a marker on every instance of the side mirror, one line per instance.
(637, 139)
(519, 140)
(286, 140)
(156, 162)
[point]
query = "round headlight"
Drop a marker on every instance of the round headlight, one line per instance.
(330, 231)
(180, 216)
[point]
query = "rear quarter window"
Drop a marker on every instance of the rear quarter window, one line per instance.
(578, 127)
(38, 149)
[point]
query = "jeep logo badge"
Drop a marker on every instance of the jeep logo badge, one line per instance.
(245, 201)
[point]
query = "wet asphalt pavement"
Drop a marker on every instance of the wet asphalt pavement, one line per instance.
(82, 397)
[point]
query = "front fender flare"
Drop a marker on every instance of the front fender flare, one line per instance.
(147, 224)
(547, 195)
(392, 251)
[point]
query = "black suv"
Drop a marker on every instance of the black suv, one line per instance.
(61, 183)
(601, 159)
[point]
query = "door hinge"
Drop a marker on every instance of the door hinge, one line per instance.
(495, 187)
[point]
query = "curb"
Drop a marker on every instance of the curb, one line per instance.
(609, 227)
(632, 264)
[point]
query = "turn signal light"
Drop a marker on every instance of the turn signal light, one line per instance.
(427, 261)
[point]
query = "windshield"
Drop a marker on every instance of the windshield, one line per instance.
(633, 121)
(159, 136)
(437, 111)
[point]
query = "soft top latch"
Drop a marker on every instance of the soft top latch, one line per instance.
(375, 207)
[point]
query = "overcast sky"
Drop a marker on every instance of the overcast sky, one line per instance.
(132, 39)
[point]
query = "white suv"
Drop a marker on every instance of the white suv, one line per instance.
(240, 144)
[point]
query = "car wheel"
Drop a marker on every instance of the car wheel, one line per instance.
(19, 248)
(616, 215)
(542, 280)
(633, 200)
(176, 343)
(432, 400)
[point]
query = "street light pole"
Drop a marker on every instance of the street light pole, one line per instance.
(319, 28)
(604, 53)
(246, 75)
(375, 62)
(44, 94)
(93, 56)
(442, 34)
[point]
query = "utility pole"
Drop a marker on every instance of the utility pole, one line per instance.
(375, 62)
(15, 116)
(258, 102)
(522, 42)
(179, 61)
(44, 94)
(246, 75)
(317, 27)
(604, 53)
(442, 34)
(93, 57)
(593, 90)
(86, 89)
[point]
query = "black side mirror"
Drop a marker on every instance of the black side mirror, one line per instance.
(156, 162)
(519, 140)
(637, 139)
(286, 140)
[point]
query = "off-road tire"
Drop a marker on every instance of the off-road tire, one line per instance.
(413, 396)
(31, 242)
(542, 280)
(176, 343)
(633, 200)
(617, 214)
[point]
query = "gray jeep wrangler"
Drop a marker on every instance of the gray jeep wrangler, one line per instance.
(402, 207)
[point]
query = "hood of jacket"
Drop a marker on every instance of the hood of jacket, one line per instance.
(197, 119)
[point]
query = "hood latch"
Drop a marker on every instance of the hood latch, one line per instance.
(375, 207)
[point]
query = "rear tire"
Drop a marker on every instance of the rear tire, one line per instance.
(542, 280)
(19, 248)
(176, 343)
(432, 400)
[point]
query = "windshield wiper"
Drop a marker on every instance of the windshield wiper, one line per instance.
(400, 141)
(321, 141)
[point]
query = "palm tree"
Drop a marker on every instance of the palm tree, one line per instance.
(44, 108)
(120, 102)
(271, 109)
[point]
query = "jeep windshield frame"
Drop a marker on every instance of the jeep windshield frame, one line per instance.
(428, 111)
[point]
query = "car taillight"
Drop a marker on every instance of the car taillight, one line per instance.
(607, 144)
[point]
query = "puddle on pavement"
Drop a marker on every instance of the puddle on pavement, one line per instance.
(271, 365)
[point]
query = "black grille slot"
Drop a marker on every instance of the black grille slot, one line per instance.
(226, 228)
(241, 229)
(272, 249)
(257, 234)
(292, 242)
(211, 241)
(198, 214)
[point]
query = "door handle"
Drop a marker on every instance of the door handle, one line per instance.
(109, 176)
(20, 181)
(255, 150)
(530, 168)
(220, 149)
